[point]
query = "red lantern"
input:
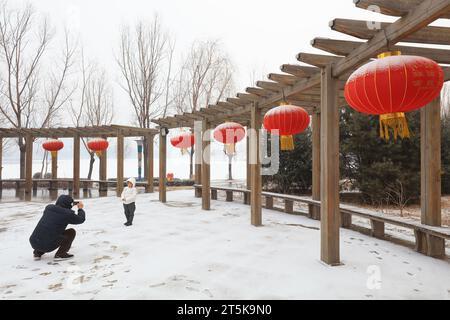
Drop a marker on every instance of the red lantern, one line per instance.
(53, 145)
(170, 177)
(98, 145)
(229, 133)
(392, 85)
(288, 120)
(183, 141)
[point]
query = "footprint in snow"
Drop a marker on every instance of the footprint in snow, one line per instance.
(157, 285)
(45, 273)
(97, 260)
(411, 274)
(208, 293)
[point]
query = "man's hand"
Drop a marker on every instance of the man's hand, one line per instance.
(80, 205)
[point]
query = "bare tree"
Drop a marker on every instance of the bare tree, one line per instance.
(94, 105)
(395, 194)
(205, 78)
(26, 99)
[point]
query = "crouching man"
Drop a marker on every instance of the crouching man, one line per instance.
(51, 233)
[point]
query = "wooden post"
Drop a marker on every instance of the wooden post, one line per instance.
(150, 163)
(288, 206)
(162, 165)
(1, 160)
(206, 158)
(229, 196)
(314, 211)
(269, 202)
(103, 169)
(430, 148)
(213, 194)
(249, 176)
(329, 169)
(255, 166)
(54, 182)
(198, 160)
(28, 167)
(377, 229)
(120, 158)
(76, 167)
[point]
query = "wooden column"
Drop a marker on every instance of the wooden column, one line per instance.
(329, 169)
(103, 169)
(120, 158)
(150, 188)
(76, 167)
(206, 159)
(28, 167)
(162, 166)
(54, 183)
(255, 166)
(314, 211)
(1, 160)
(430, 133)
(247, 196)
(198, 160)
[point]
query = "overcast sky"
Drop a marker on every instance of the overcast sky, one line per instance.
(259, 35)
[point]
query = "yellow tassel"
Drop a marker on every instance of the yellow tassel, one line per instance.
(395, 121)
(98, 153)
(54, 153)
(184, 151)
(230, 149)
(287, 143)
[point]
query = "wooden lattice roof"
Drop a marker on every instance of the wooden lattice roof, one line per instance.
(94, 131)
(301, 84)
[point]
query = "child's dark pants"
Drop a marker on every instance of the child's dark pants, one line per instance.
(129, 211)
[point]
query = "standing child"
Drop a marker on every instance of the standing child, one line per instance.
(129, 198)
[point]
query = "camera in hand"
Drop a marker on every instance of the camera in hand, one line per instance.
(75, 203)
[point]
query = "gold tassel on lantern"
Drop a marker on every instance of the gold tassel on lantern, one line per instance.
(54, 153)
(230, 149)
(287, 143)
(98, 153)
(395, 121)
(184, 151)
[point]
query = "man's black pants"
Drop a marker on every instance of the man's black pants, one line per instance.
(66, 243)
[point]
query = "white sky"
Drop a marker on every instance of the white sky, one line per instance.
(259, 35)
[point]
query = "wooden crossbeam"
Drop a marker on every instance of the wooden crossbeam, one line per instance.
(299, 71)
(237, 101)
(425, 13)
(249, 97)
(344, 48)
(258, 91)
(360, 30)
(271, 86)
(396, 8)
(283, 79)
(317, 60)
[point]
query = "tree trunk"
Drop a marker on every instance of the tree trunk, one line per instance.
(230, 167)
(191, 163)
(91, 165)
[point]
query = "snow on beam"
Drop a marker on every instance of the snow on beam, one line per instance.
(395, 8)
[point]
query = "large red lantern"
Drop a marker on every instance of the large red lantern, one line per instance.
(183, 141)
(53, 145)
(98, 145)
(286, 121)
(229, 133)
(392, 85)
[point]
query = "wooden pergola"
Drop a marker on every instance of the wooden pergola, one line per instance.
(317, 85)
(111, 131)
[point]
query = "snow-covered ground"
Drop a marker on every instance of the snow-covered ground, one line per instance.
(178, 251)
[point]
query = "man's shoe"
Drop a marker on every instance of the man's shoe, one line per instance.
(37, 255)
(63, 256)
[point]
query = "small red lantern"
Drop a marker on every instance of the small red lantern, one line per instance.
(288, 120)
(170, 177)
(183, 141)
(392, 85)
(53, 145)
(98, 145)
(229, 133)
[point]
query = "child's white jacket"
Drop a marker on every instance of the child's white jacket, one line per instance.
(129, 194)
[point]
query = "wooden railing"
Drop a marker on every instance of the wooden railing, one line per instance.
(429, 240)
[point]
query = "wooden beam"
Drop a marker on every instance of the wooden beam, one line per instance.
(255, 166)
(103, 170)
(258, 92)
(360, 30)
(395, 8)
(271, 86)
(314, 211)
(344, 48)
(1, 159)
(162, 167)
(283, 79)
(28, 166)
(150, 140)
(299, 71)
(76, 167)
(206, 161)
(249, 97)
(318, 60)
(425, 13)
(237, 101)
(120, 160)
(329, 170)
